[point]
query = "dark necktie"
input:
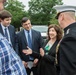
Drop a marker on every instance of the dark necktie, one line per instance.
(30, 45)
(6, 34)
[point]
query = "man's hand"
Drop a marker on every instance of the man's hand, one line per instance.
(25, 64)
(27, 51)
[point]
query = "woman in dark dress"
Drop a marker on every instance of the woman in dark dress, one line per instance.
(46, 64)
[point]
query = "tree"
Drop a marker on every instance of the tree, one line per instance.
(41, 11)
(16, 8)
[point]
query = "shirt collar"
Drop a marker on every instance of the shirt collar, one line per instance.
(3, 27)
(73, 25)
(27, 31)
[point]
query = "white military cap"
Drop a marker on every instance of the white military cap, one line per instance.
(64, 8)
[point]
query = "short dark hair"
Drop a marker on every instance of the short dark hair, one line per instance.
(24, 19)
(5, 14)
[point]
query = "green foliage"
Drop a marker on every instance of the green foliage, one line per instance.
(16, 8)
(41, 11)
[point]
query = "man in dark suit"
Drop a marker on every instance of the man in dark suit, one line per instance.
(5, 18)
(24, 37)
(67, 48)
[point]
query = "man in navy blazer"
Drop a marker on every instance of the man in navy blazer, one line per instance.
(23, 42)
(5, 18)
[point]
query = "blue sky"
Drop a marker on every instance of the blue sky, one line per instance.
(67, 2)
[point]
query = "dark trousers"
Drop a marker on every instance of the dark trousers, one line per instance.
(33, 69)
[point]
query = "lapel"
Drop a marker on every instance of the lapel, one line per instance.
(53, 48)
(10, 32)
(32, 36)
(24, 37)
(1, 31)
